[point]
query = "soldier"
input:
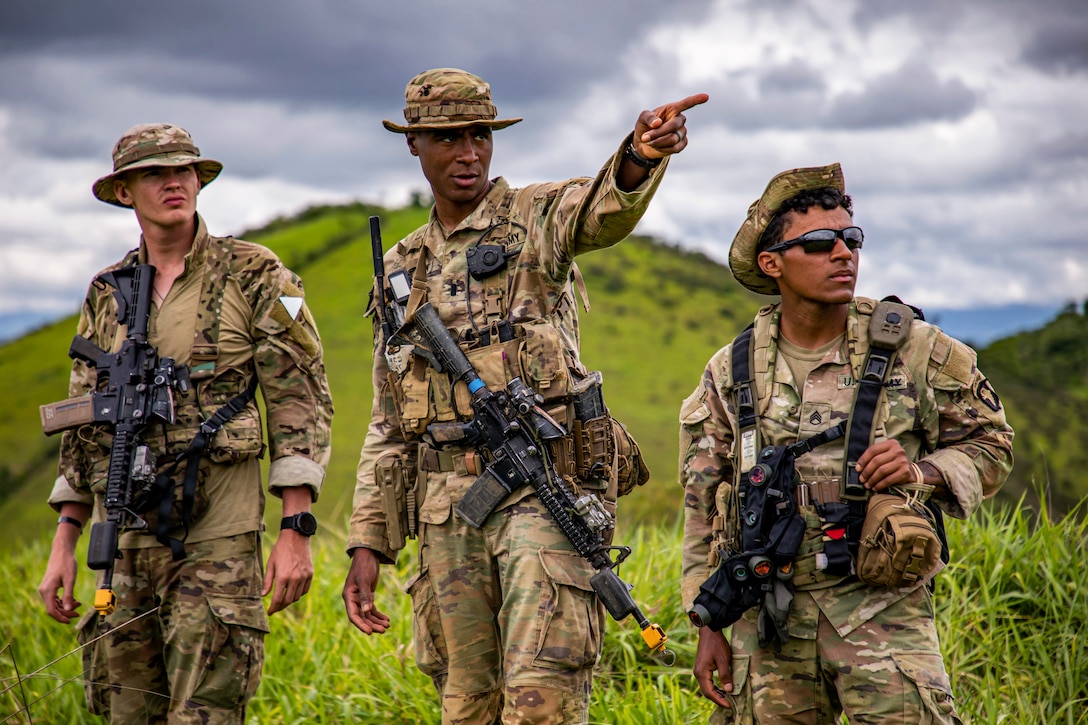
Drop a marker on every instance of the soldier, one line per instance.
(506, 623)
(235, 315)
(851, 641)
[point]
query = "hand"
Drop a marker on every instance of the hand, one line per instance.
(714, 654)
(662, 131)
(358, 593)
(290, 570)
(60, 575)
(883, 465)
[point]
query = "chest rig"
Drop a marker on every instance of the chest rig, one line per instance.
(160, 496)
(888, 330)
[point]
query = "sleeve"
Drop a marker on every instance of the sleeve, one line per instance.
(583, 215)
(970, 440)
(367, 527)
(706, 473)
(84, 451)
(288, 360)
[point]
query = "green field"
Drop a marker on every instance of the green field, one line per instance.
(1011, 609)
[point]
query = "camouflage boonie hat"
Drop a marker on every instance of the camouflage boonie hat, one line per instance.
(744, 250)
(448, 98)
(154, 144)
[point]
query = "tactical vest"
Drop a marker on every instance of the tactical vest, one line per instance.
(536, 350)
(208, 421)
(888, 330)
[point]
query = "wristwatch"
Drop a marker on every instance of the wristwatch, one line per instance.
(304, 523)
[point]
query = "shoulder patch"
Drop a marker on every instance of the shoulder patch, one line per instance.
(986, 393)
(953, 359)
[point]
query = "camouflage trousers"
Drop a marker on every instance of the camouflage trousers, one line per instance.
(506, 623)
(198, 658)
(888, 670)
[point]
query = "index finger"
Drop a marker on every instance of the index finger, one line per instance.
(671, 110)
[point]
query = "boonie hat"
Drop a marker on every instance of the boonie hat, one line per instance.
(154, 144)
(744, 250)
(447, 98)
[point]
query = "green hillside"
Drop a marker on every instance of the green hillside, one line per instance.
(1042, 377)
(657, 314)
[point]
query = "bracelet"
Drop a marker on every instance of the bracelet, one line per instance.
(70, 520)
(631, 155)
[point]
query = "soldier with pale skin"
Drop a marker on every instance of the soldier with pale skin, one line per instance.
(236, 317)
(481, 634)
(848, 645)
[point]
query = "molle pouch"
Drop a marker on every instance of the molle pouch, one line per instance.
(411, 398)
(899, 545)
(543, 361)
(496, 364)
(394, 482)
(630, 468)
(240, 437)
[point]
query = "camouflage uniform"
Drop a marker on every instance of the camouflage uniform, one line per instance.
(506, 623)
(199, 658)
(870, 651)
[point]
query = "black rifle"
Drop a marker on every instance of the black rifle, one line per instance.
(134, 388)
(510, 432)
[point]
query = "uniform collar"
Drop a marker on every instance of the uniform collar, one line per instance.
(195, 257)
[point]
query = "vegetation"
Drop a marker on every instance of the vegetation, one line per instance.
(1011, 610)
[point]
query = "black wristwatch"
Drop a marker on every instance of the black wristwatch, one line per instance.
(304, 523)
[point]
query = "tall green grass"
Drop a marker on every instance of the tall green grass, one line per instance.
(1011, 609)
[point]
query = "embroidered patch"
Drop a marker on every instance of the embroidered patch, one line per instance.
(846, 381)
(986, 393)
(292, 305)
(815, 418)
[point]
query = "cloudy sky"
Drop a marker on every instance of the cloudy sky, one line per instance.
(961, 127)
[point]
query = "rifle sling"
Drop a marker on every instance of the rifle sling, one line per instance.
(164, 482)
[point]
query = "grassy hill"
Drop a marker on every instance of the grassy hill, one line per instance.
(657, 314)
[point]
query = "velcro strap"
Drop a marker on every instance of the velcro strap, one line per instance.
(441, 461)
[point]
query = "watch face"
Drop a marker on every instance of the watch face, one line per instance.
(306, 524)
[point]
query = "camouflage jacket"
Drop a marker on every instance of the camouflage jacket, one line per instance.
(263, 328)
(937, 404)
(542, 227)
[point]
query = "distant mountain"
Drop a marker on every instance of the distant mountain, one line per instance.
(657, 314)
(981, 326)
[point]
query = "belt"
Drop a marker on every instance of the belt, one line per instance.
(442, 461)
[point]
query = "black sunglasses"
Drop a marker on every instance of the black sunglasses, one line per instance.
(822, 240)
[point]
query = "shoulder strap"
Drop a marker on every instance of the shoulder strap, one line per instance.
(744, 399)
(205, 350)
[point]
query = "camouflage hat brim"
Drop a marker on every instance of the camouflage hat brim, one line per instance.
(437, 125)
(744, 251)
(207, 170)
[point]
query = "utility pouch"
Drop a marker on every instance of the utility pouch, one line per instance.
(391, 474)
(899, 543)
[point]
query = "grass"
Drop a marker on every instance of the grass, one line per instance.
(1010, 610)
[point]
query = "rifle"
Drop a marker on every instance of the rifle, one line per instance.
(134, 388)
(510, 432)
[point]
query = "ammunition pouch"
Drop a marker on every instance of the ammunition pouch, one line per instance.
(397, 485)
(899, 542)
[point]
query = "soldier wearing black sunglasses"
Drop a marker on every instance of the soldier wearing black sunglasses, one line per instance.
(935, 428)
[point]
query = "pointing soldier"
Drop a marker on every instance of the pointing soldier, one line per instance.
(232, 313)
(888, 411)
(506, 622)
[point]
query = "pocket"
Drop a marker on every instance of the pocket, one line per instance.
(432, 657)
(96, 674)
(740, 700)
(412, 398)
(240, 437)
(631, 469)
(543, 362)
(925, 670)
(233, 653)
(570, 616)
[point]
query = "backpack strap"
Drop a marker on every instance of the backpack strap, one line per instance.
(889, 329)
(741, 362)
